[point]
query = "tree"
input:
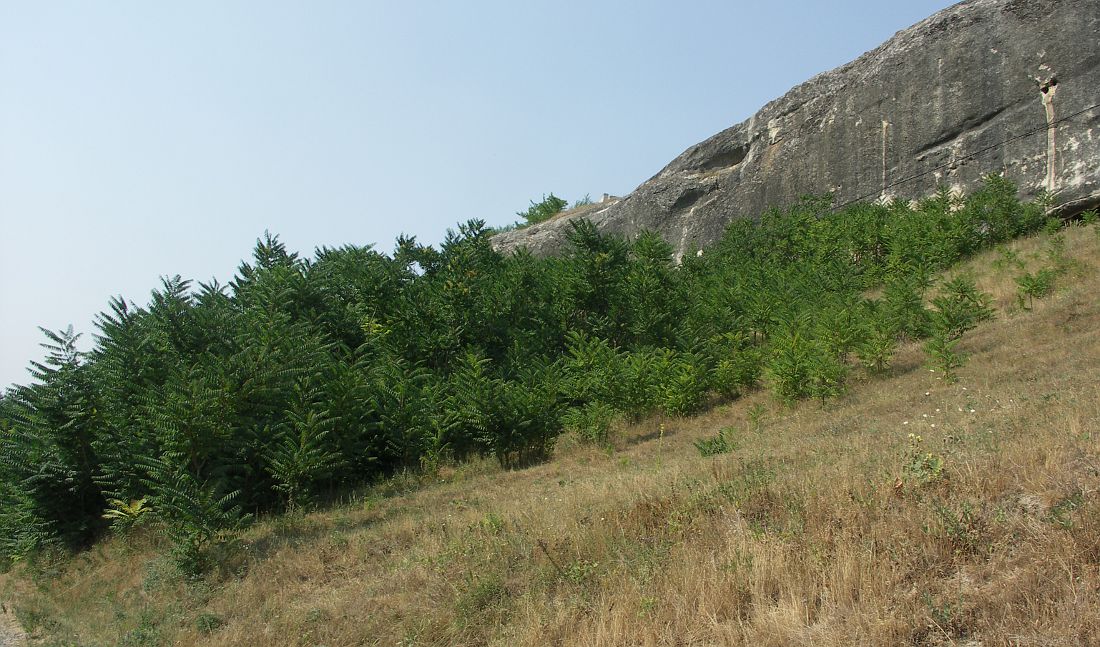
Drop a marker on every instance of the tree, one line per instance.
(47, 454)
(301, 454)
(544, 210)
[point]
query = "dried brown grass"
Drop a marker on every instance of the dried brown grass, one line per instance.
(581, 211)
(812, 531)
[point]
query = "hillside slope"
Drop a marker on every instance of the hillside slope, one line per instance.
(984, 86)
(909, 511)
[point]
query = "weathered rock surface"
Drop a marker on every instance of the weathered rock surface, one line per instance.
(984, 86)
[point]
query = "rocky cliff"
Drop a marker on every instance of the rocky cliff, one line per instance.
(985, 86)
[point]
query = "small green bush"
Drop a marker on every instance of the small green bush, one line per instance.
(827, 375)
(960, 307)
(685, 389)
(1056, 253)
(942, 355)
(480, 593)
(545, 209)
(802, 366)
(124, 516)
(903, 305)
(640, 381)
(739, 373)
(1008, 258)
(1037, 285)
(876, 349)
(207, 623)
(591, 422)
(922, 467)
(723, 443)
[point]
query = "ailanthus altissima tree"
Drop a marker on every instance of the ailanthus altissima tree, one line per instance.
(302, 377)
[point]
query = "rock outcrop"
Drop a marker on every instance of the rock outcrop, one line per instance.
(984, 86)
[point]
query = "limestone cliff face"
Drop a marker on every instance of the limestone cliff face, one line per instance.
(966, 92)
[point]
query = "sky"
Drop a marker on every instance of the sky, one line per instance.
(148, 139)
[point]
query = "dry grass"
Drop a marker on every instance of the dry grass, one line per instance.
(825, 526)
(581, 211)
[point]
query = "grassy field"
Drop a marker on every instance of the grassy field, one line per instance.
(908, 511)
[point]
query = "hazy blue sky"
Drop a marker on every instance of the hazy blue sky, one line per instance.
(140, 139)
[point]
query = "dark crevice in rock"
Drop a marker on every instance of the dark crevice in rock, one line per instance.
(1075, 208)
(688, 198)
(726, 159)
(961, 129)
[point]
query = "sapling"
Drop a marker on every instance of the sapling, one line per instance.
(685, 390)
(1039, 284)
(961, 307)
(1008, 257)
(876, 349)
(756, 416)
(903, 305)
(1056, 253)
(789, 365)
(805, 367)
(738, 373)
(827, 375)
(591, 422)
(839, 331)
(942, 355)
(125, 516)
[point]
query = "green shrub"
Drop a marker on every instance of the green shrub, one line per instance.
(839, 329)
(1008, 258)
(207, 623)
(481, 592)
(685, 388)
(903, 305)
(524, 419)
(1035, 285)
(827, 375)
(201, 520)
(641, 380)
(543, 210)
(739, 373)
(723, 443)
(1056, 253)
(960, 307)
(301, 454)
(875, 349)
(125, 516)
(593, 369)
(591, 422)
(802, 367)
(942, 355)
(922, 467)
(789, 364)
